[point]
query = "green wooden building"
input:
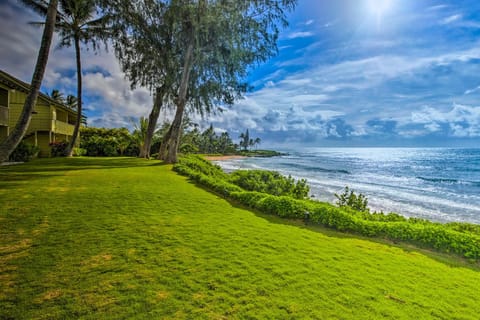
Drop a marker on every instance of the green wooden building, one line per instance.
(51, 121)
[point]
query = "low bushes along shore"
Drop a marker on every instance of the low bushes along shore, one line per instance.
(458, 238)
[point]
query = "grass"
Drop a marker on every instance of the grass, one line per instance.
(122, 238)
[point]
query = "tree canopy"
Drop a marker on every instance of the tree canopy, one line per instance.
(198, 52)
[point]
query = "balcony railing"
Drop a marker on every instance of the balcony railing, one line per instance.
(3, 116)
(62, 127)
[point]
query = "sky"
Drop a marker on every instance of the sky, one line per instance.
(348, 73)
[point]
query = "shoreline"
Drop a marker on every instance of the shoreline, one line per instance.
(223, 158)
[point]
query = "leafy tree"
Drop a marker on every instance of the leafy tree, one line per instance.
(10, 143)
(195, 53)
(222, 39)
(76, 23)
(143, 45)
(225, 144)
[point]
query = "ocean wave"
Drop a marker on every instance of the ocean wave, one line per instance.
(438, 180)
(450, 181)
(313, 168)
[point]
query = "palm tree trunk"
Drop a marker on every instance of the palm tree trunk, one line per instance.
(10, 143)
(152, 122)
(69, 150)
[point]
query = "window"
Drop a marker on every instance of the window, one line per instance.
(3, 97)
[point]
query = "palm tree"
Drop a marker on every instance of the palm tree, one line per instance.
(10, 143)
(72, 103)
(256, 142)
(57, 96)
(244, 140)
(76, 23)
(140, 132)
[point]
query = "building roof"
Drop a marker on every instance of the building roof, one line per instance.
(17, 84)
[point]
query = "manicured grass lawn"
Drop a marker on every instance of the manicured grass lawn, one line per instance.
(127, 238)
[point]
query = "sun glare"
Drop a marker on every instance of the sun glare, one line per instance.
(379, 7)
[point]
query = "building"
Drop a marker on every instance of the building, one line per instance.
(51, 121)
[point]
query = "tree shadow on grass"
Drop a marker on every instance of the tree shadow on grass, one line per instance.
(81, 163)
(47, 168)
(451, 260)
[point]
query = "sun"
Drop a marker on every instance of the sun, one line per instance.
(379, 8)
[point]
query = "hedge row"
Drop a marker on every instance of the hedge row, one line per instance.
(450, 238)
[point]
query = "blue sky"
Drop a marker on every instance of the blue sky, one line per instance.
(348, 73)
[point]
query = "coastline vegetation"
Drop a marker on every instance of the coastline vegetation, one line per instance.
(130, 247)
(460, 238)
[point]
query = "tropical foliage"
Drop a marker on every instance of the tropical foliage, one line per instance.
(24, 152)
(350, 199)
(76, 24)
(198, 62)
(246, 142)
(108, 142)
(270, 182)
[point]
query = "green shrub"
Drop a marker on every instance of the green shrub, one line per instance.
(461, 239)
(78, 152)
(349, 199)
(188, 148)
(58, 148)
(464, 227)
(270, 182)
(200, 165)
(24, 152)
(108, 142)
(205, 173)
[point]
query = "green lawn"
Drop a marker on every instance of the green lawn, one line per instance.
(125, 238)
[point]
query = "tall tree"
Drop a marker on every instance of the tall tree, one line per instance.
(221, 40)
(256, 142)
(76, 23)
(10, 143)
(198, 51)
(244, 140)
(143, 45)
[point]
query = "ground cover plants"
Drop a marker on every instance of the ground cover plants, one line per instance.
(126, 238)
(461, 239)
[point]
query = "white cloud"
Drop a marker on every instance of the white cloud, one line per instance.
(321, 89)
(451, 19)
(470, 91)
(437, 7)
(300, 34)
(463, 121)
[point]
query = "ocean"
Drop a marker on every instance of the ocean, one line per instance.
(439, 184)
